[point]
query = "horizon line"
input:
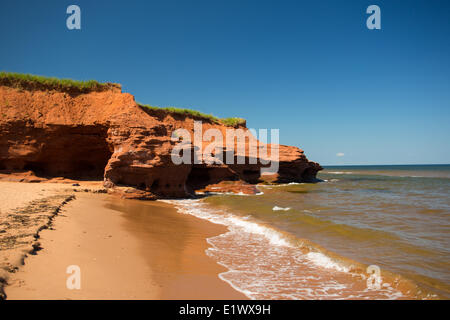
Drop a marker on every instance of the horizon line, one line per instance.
(405, 164)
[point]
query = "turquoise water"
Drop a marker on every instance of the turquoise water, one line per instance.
(394, 217)
(408, 205)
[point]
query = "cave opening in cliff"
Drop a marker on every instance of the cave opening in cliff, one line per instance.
(74, 153)
(251, 175)
(199, 177)
(308, 175)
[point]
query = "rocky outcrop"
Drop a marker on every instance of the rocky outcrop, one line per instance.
(106, 135)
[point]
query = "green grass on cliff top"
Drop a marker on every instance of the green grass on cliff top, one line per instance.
(33, 82)
(197, 114)
(29, 81)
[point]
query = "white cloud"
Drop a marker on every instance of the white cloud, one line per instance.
(340, 154)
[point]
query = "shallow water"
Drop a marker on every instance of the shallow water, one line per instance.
(315, 241)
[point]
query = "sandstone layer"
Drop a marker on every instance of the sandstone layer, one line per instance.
(47, 133)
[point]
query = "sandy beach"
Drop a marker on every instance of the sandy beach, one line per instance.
(125, 249)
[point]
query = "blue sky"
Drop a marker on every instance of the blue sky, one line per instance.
(310, 68)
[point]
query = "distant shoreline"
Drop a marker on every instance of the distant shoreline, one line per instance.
(383, 165)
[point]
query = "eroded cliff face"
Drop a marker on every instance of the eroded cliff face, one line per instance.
(106, 135)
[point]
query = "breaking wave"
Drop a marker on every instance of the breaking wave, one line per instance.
(265, 263)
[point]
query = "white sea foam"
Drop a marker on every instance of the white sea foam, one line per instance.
(277, 208)
(262, 263)
(339, 172)
(273, 236)
(229, 193)
(323, 261)
(195, 208)
(280, 185)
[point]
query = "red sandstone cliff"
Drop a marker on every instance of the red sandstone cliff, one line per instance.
(107, 135)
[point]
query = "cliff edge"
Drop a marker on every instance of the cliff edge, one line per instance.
(62, 128)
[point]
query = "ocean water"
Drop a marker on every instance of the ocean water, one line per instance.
(316, 241)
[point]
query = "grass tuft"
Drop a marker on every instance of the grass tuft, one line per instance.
(34, 82)
(195, 114)
(233, 122)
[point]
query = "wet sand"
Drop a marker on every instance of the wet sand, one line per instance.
(25, 209)
(125, 249)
